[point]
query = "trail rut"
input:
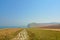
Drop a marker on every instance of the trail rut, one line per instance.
(23, 35)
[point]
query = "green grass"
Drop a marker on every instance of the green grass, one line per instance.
(40, 34)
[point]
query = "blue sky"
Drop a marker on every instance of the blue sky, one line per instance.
(22, 12)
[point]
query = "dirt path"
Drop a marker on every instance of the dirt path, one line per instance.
(23, 35)
(52, 29)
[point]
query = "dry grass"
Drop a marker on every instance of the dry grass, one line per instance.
(51, 29)
(7, 34)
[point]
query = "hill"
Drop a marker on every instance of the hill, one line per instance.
(45, 25)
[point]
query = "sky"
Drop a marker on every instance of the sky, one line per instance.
(23, 12)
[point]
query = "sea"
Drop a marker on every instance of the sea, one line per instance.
(13, 27)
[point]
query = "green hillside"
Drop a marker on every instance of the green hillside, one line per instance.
(40, 34)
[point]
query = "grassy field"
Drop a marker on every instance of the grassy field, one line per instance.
(7, 34)
(34, 33)
(40, 34)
